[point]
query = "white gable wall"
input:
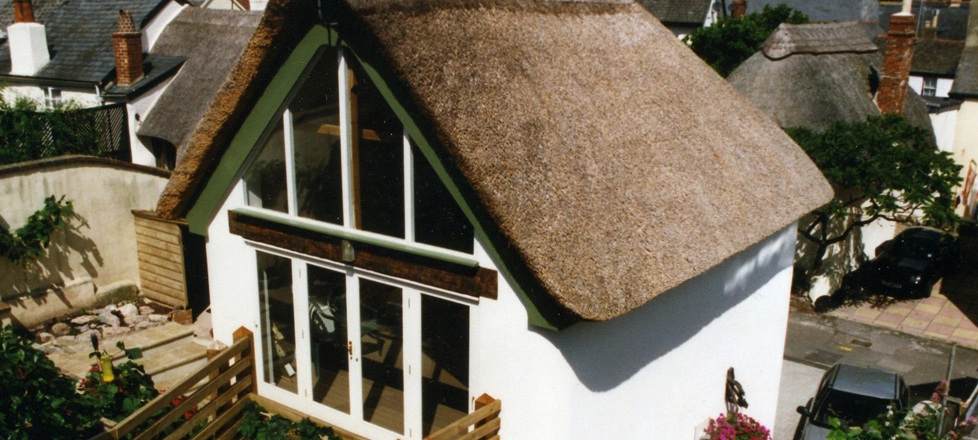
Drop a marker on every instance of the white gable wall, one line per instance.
(657, 372)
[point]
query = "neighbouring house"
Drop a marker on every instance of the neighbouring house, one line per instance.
(684, 16)
(412, 204)
(825, 11)
(814, 75)
(965, 148)
(204, 44)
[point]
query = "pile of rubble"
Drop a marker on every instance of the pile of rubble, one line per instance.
(108, 322)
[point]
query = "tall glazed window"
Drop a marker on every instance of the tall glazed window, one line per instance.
(277, 320)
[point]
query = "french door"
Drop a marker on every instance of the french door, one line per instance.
(373, 355)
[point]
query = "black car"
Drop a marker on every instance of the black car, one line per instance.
(854, 395)
(910, 264)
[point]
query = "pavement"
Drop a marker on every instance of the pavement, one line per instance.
(816, 342)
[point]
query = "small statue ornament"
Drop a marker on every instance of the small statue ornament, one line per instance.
(734, 394)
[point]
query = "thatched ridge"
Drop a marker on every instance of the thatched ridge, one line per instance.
(812, 75)
(615, 164)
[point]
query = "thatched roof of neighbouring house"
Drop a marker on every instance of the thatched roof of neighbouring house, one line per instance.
(813, 75)
(211, 40)
(615, 164)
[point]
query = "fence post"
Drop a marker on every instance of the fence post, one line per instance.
(480, 402)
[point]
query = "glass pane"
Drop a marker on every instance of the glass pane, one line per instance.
(379, 145)
(277, 320)
(444, 362)
(316, 142)
(381, 341)
(327, 326)
(438, 220)
(265, 179)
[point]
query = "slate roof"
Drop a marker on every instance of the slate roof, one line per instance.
(690, 12)
(825, 11)
(570, 127)
(79, 34)
(815, 90)
(966, 81)
(952, 23)
(211, 40)
(936, 57)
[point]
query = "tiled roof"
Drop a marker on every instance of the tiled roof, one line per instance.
(825, 11)
(966, 81)
(678, 11)
(936, 57)
(952, 23)
(79, 34)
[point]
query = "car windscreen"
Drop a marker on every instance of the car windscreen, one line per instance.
(854, 409)
(920, 248)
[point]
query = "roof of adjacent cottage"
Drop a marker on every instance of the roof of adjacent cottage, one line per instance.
(211, 40)
(966, 81)
(79, 35)
(952, 22)
(936, 57)
(691, 12)
(825, 11)
(572, 125)
(813, 75)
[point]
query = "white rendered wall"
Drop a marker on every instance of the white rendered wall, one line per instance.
(966, 138)
(945, 124)
(153, 29)
(943, 86)
(655, 373)
(140, 107)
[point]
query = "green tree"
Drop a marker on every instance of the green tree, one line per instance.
(880, 168)
(730, 41)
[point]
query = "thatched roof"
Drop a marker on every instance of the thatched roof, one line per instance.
(966, 81)
(573, 125)
(211, 40)
(803, 85)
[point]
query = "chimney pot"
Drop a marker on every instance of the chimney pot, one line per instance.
(739, 8)
(23, 11)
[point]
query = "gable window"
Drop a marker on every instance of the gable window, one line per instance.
(338, 154)
(930, 86)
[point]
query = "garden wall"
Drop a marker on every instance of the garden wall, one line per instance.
(96, 254)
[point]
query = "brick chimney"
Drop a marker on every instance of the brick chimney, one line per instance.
(896, 61)
(27, 40)
(127, 44)
(738, 8)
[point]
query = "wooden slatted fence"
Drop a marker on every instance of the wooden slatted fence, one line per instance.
(159, 246)
(484, 422)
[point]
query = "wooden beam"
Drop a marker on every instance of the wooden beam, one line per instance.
(477, 282)
(365, 134)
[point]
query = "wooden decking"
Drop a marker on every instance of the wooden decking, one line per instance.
(228, 381)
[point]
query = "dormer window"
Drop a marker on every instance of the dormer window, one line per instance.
(338, 154)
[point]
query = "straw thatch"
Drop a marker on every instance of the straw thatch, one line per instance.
(615, 164)
(212, 41)
(814, 75)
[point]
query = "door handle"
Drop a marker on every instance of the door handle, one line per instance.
(349, 348)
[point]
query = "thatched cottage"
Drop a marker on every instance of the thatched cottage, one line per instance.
(415, 203)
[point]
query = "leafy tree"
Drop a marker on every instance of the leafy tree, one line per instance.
(730, 41)
(880, 168)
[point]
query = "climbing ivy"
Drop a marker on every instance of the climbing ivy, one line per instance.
(31, 240)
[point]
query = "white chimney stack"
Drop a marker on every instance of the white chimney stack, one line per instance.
(27, 40)
(906, 6)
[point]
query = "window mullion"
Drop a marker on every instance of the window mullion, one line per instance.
(408, 189)
(346, 140)
(290, 185)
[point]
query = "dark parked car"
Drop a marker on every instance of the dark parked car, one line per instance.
(854, 395)
(910, 264)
